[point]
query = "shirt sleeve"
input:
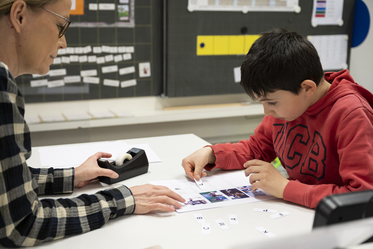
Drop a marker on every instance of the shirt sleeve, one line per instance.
(234, 155)
(26, 220)
(53, 181)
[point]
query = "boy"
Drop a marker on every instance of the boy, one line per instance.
(32, 32)
(320, 126)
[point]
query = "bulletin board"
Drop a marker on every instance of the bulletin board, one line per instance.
(190, 74)
(133, 48)
(110, 43)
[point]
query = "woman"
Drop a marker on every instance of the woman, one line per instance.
(32, 31)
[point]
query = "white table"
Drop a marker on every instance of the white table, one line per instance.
(180, 230)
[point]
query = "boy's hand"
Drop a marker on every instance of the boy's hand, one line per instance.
(194, 163)
(90, 170)
(265, 176)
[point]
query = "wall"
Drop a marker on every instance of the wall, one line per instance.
(213, 130)
(361, 62)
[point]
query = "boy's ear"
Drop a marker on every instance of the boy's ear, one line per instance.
(17, 15)
(309, 87)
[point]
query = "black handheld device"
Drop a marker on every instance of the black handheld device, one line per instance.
(133, 164)
(339, 208)
(344, 207)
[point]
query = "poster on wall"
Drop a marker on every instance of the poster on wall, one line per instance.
(120, 13)
(244, 6)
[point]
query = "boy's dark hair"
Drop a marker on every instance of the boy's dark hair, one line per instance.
(279, 60)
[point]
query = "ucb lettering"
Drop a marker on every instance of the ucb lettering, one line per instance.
(296, 138)
(314, 163)
(298, 149)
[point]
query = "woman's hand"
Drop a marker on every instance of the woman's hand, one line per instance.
(90, 170)
(153, 197)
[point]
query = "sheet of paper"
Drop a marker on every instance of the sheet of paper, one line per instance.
(327, 12)
(206, 228)
(265, 232)
(122, 113)
(233, 219)
(52, 117)
(280, 215)
(64, 156)
(102, 114)
(77, 116)
(73, 5)
(265, 210)
(237, 74)
(128, 83)
(32, 119)
(222, 224)
(227, 189)
(199, 218)
(332, 50)
(199, 183)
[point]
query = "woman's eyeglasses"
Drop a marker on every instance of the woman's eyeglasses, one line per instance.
(64, 27)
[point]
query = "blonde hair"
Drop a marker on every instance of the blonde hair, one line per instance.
(6, 5)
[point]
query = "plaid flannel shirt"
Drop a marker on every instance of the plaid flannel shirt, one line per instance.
(26, 220)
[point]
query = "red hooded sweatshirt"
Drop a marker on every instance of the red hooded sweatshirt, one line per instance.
(327, 150)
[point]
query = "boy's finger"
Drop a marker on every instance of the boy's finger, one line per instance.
(198, 174)
(254, 162)
(189, 173)
(252, 170)
(253, 178)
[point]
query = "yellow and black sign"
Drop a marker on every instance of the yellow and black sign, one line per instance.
(224, 44)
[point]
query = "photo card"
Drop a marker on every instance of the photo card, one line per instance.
(234, 193)
(195, 200)
(248, 191)
(214, 196)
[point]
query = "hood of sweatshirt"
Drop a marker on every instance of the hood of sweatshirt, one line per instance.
(342, 84)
